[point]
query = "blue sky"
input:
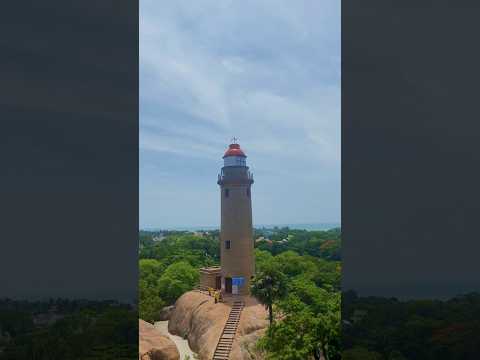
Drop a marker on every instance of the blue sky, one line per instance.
(267, 72)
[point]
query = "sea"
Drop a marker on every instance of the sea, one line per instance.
(306, 226)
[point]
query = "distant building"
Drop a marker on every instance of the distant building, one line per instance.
(158, 238)
(262, 239)
(200, 233)
(236, 232)
(210, 277)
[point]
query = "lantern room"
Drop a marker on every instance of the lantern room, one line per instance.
(234, 156)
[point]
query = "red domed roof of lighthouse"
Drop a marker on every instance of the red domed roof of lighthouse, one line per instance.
(234, 150)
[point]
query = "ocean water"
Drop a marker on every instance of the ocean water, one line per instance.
(306, 226)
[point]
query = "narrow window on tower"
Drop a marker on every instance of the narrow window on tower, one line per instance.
(226, 192)
(227, 244)
(248, 192)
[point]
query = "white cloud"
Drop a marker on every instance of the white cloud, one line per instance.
(267, 72)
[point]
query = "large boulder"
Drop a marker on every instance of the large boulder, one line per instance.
(197, 318)
(165, 313)
(155, 346)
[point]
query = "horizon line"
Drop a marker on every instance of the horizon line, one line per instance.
(200, 227)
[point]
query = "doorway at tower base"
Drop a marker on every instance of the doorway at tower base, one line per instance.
(235, 285)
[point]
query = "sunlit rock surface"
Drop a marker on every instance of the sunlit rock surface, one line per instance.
(153, 345)
(201, 321)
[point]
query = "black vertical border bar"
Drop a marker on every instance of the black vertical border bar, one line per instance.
(69, 150)
(410, 154)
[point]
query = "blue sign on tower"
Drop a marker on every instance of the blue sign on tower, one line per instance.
(238, 281)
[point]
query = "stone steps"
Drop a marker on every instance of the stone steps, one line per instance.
(224, 345)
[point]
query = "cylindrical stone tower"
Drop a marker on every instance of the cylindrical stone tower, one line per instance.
(236, 232)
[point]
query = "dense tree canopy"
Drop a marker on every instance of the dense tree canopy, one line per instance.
(169, 263)
(85, 330)
(308, 312)
(320, 244)
(177, 279)
(389, 329)
(298, 275)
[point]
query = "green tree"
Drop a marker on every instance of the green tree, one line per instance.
(269, 285)
(293, 264)
(262, 257)
(177, 279)
(327, 329)
(150, 270)
(150, 302)
(302, 333)
(291, 338)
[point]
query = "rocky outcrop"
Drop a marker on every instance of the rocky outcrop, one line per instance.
(153, 345)
(197, 318)
(165, 313)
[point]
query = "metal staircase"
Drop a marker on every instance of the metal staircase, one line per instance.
(224, 345)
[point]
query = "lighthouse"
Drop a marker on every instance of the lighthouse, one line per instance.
(236, 232)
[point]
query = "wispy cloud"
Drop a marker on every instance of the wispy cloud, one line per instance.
(267, 72)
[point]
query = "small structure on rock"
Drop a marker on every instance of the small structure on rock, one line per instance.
(210, 277)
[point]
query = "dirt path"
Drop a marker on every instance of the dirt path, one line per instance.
(182, 344)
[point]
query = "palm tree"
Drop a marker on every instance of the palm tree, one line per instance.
(268, 286)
